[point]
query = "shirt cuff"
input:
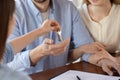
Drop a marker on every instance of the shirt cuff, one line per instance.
(85, 57)
(21, 61)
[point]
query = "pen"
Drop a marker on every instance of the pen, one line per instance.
(78, 77)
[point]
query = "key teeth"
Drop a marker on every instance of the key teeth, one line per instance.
(59, 35)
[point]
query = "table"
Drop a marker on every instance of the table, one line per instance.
(81, 66)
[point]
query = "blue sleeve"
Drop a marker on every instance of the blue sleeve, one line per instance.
(20, 62)
(8, 54)
(80, 33)
(8, 74)
(85, 57)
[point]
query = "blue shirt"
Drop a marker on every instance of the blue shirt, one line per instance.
(7, 74)
(8, 54)
(28, 18)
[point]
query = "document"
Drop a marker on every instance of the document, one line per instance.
(79, 75)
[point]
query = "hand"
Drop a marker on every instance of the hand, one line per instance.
(54, 49)
(118, 59)
(107, 64)
(95, 58)
(50, 25)
(92, 48)
(47, 48)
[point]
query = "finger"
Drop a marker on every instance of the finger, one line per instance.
(60, 45)
(65, 42)
(100, 45)
(54, 22)
(99, 48)
(108, 56)
(48, 41)
(116, 66)
(55, 25)
(107, 70)
(55, 28)
(58, 51)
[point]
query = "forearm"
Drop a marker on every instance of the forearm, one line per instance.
(75, 54)
(19, 43)
(35, 57)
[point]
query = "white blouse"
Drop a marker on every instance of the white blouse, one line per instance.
(106, 31)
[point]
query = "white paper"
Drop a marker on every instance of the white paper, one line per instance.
(71, 75)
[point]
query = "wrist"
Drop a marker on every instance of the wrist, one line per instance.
(35, 56)
(95, 58)
(43, 30)
(80, 50)
(39, 32)
(84, 48)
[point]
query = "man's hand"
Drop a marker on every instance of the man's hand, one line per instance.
(50, 25)
(47, 48)
(54, 49)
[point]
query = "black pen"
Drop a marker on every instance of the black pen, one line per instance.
(78, 77)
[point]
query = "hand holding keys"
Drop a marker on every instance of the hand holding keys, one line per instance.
(58, 32)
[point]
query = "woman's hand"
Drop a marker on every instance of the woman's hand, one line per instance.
(118, 59)
(95, 58)
(106, 61)
(108, 64)
(94, 47)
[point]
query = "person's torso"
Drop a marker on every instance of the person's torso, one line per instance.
(31, 19)
(106, 31)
